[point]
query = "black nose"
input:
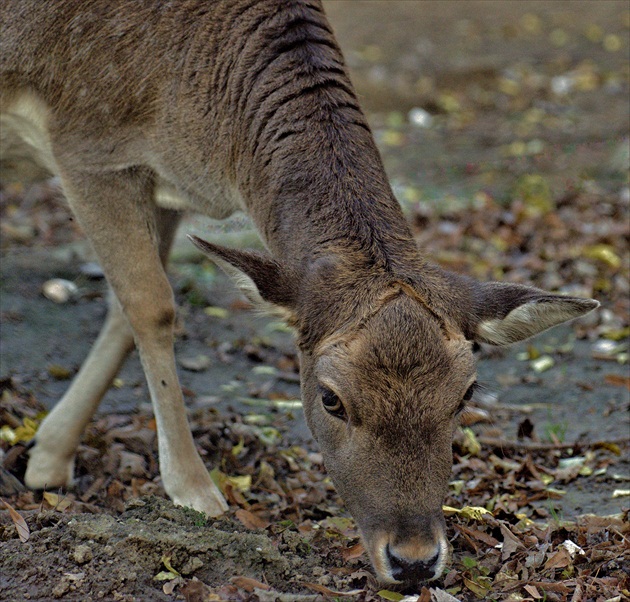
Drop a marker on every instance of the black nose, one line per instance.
(411, 571)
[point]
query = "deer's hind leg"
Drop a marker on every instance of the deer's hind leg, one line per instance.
(119, 216)
(51, 460)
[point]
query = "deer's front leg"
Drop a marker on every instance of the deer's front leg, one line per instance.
(117, 213)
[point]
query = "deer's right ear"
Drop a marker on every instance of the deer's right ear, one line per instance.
(264, 282)
(507, 313)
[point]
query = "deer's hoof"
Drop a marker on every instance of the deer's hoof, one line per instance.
(45, 470)
(194, 488)
(210, 501)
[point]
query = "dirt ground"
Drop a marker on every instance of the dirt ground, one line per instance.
(504, 129)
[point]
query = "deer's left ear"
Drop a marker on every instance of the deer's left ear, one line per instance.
(508, 313)
(267, 284)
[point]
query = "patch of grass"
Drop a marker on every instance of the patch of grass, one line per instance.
(198, 519)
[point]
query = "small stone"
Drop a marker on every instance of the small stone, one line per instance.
(92, 270)
(420, 118)
(59, 290)
(542, 363)
(135, 503)
(198, 363)
(191, 565)
(61, 588)
(82, 554)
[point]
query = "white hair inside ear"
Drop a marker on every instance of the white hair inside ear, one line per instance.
(532, 318)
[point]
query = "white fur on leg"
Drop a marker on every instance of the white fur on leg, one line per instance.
(184, 475)
(51, 461)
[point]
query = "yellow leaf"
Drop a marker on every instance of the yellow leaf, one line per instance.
(585, 471)
(612, 43)
(449, 103)
(56, 501)
(473, 512)
(389, 595)
(479, 590)
(59, 372)
(167, 575)
(470, 443)
(542, 364)
(534, 191)
(23, 433)
(603, 253)
(7, 434)
(547, 479)
(469, 512)
(392, 138)
(617, 334)
(241, 483)
(166, 561)
(612, 447)
(216, 312)
(239, 447)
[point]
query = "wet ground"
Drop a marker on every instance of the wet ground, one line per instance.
(472, 104)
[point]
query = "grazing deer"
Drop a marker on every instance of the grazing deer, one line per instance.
(148, 108)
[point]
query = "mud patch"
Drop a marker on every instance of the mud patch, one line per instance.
(102, 557)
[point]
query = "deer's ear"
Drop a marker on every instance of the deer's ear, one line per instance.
(264, 282)
(508, 313)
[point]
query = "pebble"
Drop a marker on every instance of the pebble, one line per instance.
(60, 290)
(420, 118)
(82, 554)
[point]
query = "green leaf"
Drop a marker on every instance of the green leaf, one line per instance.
(469, 562)
(389, 595)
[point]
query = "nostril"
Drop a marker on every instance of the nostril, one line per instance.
(403, 569)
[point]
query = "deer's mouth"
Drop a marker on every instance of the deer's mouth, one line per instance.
(411, 561)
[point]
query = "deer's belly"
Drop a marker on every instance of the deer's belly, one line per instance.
(25, 145)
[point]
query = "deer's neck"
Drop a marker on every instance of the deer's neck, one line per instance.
(301, 152)
(325, 191)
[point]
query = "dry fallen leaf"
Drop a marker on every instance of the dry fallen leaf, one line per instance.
(20, 524)
(251, 520)
(532, 591)
(322, 589)
(617, 380)
(56, 501)
(559, 560)
(355, 551)
(248, 584)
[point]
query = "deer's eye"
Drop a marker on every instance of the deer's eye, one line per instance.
(469, 392)
(332, 403)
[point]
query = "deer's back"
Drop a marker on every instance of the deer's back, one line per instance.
(185, 88)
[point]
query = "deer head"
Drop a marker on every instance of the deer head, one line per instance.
(386, 368)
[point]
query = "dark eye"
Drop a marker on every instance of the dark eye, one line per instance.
(332, 403)
(469, 392)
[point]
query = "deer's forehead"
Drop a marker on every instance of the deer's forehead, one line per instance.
(402, 345)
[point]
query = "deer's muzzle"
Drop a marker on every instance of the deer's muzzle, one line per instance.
(410, 560)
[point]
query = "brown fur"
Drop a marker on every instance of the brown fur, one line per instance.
(247, 104)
